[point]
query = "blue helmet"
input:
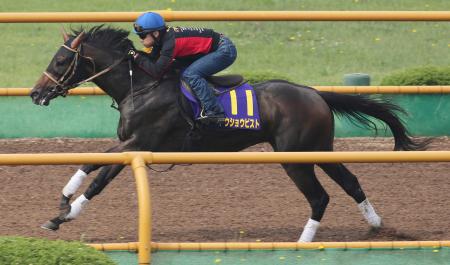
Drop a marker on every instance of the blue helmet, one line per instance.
(149, 22)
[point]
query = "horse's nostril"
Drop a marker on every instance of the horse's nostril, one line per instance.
(34, 96)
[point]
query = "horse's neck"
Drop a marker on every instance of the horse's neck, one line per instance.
(160, 94)
(115, 82)
(112, 87)
(118, 83)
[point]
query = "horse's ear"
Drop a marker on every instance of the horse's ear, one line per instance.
(64, 33)
(76, 42)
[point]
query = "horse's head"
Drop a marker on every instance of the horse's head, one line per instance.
(63, 72)
(88, 56)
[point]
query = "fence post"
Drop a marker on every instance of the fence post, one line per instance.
(143, 191)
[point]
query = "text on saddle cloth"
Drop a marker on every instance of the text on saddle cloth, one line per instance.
(239, 103)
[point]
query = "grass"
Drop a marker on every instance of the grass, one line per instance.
(311, 53)
(20, 251)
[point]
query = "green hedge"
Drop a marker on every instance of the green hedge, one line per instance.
(423, 76)
(428, 114)
(24, 251)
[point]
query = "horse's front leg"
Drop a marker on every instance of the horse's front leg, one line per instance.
(72, 186)
(74, 183)
(72, 211)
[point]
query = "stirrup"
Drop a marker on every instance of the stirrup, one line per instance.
(217, 116)
(217, 120)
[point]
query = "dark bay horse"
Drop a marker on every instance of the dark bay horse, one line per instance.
(293, 118)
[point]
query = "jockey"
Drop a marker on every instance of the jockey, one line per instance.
(204, 50)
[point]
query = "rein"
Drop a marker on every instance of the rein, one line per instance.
(61, 89)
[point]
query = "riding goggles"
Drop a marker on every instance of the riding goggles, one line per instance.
(140, 31)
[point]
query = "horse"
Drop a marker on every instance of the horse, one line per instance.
(153, 118)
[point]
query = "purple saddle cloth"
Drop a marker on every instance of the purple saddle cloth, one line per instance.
(240, 105)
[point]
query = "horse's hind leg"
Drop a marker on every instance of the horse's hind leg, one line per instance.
(349, 183)
(306, 181)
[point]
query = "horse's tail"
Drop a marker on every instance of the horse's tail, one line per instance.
(356, 107)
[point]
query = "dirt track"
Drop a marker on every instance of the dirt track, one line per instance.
(227, 202)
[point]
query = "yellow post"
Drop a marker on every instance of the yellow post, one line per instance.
(143, 191)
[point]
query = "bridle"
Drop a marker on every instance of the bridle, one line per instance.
(62, 87)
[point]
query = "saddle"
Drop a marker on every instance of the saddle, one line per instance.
(236, 96)
(220, 83)
(225, 80)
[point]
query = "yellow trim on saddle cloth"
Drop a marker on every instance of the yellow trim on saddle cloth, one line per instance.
(248, 94)
(234, 106)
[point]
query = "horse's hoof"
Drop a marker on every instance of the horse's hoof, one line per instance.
(51, 226)
(376, 229)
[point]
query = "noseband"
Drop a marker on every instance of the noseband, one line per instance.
(62, 88)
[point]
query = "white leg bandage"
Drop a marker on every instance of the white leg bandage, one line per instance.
(309, 231)
(369, 213)
(77, 207)
(74, 183)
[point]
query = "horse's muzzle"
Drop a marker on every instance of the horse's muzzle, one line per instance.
(35, 97)
(38, 98)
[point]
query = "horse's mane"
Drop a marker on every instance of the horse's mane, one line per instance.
(106, 37)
